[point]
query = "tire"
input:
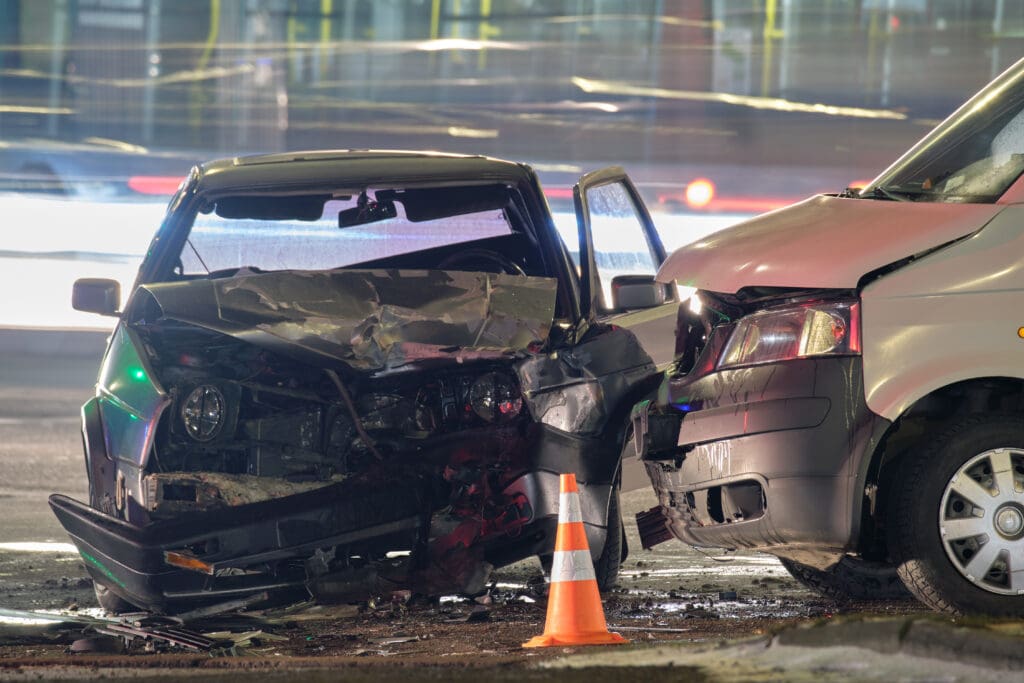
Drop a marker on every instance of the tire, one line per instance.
(606, 567)
(111, 602)
(953, 498)
(852, 579)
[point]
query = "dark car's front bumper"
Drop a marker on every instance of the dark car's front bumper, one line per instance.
(265, 546)
(764, 456)
(248, 547)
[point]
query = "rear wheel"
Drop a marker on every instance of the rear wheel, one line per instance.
(956, 521)
(851, 579)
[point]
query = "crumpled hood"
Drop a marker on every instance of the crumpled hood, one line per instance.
(822, 242)
(370, 319)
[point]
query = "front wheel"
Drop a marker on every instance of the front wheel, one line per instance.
(850, 579)
(956, 520)
(606, 567)
(111, 602)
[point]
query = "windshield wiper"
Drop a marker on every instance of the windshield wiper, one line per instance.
(878, 192)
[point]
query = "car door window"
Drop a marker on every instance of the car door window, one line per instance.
(620, 242)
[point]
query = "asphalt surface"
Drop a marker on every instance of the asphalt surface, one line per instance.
(690, 616)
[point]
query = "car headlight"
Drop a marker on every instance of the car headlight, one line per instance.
(816, 329)
(203, 412)
(495, 398)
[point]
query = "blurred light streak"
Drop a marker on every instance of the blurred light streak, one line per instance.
(591, 86)
(465, 45)
(668, 21)
(20, 109)
(117, 144)
(459, 132)
(557, 168)
(185, 76)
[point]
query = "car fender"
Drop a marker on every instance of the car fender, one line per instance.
(948, 317)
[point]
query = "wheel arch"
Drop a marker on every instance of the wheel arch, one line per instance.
(975, 396)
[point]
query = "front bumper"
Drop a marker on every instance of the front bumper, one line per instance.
(767, 457)
(273, 545)
(251, 548)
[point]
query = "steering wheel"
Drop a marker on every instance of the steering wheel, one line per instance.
(481, 260)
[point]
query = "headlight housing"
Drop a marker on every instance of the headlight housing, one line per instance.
(204, 412)
(494, 398)
(829, 328)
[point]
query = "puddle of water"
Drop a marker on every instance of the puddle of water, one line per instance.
(45, 617)
(706, 571)
(39, 547)
(27, 621)
(94, 612)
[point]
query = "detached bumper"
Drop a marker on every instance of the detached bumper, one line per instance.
(249, 548)
(763, 457)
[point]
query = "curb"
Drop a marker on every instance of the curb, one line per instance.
(926, 638)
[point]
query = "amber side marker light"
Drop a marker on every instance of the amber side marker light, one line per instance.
(187, 561)
(1020, 332)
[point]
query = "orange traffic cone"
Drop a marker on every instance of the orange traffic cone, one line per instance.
(575, 615)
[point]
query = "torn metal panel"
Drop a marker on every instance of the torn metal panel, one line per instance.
(372, 320)
(173, 493)
(576, 389)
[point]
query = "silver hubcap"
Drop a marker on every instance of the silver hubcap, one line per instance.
(1009, 521)
(981, 520)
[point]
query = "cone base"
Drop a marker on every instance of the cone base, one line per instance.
(563, 640)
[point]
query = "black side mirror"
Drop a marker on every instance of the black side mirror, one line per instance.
(96, 295)
(637, 291)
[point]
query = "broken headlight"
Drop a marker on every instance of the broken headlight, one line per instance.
(204, 412)
(816, 329)
(494, 398)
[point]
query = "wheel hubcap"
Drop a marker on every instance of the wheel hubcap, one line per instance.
(981, 520)
(1009, 521)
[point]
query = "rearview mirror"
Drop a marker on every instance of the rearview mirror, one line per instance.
(367, 211)
(637, 291)
(96, 295)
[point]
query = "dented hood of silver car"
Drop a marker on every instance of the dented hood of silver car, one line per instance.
(822, 242)
(372, 320)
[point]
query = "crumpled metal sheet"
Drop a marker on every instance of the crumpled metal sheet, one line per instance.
(370, 319)
(574, 390)
(211, 490)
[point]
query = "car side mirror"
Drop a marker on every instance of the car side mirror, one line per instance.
(637, 291)
(96, 295)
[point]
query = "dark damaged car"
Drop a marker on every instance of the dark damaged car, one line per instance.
(341, 373)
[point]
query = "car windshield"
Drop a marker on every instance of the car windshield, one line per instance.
(974, 156)
(246, 232)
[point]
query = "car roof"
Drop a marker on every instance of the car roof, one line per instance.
(354, 169)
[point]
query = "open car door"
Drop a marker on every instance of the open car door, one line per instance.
(620, 253)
